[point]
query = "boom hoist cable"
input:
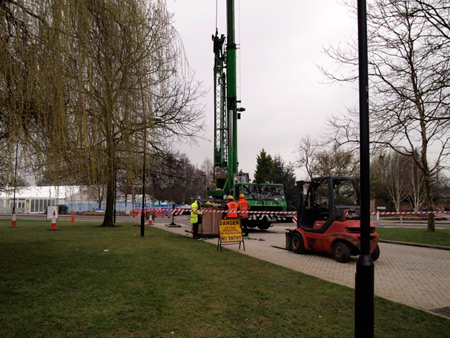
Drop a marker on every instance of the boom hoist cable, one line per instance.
(217, 9)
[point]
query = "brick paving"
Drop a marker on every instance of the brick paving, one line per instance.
(415, 276)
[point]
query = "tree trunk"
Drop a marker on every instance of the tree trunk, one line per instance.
(110, 184)
(109, 212)
(425, 167)
(429, 201)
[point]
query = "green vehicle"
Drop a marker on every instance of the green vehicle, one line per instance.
(264, 197)
(267, 197)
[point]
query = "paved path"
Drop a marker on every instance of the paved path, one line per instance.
(414, 276)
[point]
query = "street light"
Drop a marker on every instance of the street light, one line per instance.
(364, 279)
(143, 180)
(154, 121)
(15, 179)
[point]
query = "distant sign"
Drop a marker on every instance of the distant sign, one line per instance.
(230, 231)
(50, 210)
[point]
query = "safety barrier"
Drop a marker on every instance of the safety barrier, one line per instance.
(384, 213)
(179, 211)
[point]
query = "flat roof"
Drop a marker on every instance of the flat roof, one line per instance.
(49, 192)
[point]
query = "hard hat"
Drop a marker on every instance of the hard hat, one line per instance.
(241, 196)
(210, 197)
(199, 198)
(230, 197)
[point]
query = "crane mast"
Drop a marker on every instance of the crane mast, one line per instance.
(231, 92)
(225, 107)
(262, 197)
(220, 108)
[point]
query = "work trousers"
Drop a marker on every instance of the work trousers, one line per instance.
(195, 230)
(244, 226)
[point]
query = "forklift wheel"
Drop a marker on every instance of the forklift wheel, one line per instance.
(375, 254)
(297, 243)
(341, 252)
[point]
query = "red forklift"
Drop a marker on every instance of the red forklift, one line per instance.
(328, 219)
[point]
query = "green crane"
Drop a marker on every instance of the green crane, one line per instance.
(225, 109)
(228, 181)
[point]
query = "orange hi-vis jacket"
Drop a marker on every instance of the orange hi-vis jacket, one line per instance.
(243, 206)
(232, 209)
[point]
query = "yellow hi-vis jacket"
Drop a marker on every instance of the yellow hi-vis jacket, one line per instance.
(194, 212)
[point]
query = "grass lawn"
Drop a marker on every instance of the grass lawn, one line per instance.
(88, 281)
(415, 235)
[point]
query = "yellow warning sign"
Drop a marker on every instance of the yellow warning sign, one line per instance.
(230, 230)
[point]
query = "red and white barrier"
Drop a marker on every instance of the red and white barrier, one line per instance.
(180, 211)
(384, 213)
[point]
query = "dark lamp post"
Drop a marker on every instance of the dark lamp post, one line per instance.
(143, 187)
(15, 179)
(364, 279)
(154, 121)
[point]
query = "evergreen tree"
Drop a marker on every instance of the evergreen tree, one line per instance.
(284, 173)
(264, 165)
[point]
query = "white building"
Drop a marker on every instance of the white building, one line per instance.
(30, 200)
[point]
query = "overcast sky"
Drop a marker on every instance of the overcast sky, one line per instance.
(280, 48)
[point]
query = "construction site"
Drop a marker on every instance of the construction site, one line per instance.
(389, 246)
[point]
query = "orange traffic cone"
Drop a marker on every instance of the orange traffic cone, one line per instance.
(150, 219)
(73, 217)
(53, 225)
(14, 220)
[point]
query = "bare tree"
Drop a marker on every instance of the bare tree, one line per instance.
(415, 190)
(395, 179)
(207, 168)
(176, 179)
(306, 154)
(409, 85)
(437, 14)
(336, 162)
(325, 159)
